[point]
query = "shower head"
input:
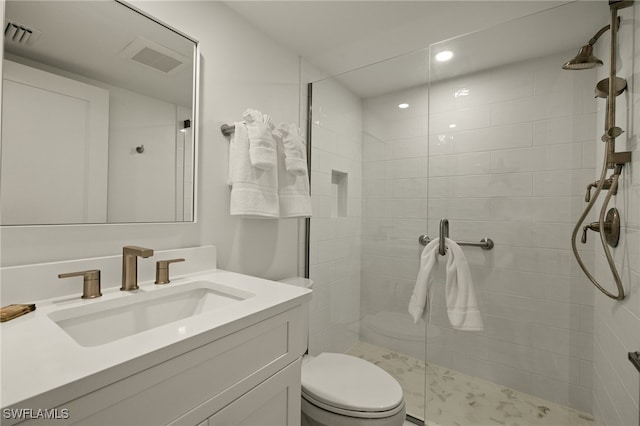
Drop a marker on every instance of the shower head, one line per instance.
(584, 60)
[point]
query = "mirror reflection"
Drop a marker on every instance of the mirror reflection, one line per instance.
(97, 116)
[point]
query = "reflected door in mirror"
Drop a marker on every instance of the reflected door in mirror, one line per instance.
(54, 148)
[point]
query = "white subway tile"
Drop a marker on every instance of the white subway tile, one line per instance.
(462, 208)
(517, 332)
(561, 182)
(552, 157)
(459, 164)
(496, 185)
(373, 150)
(408, 208)
(409, 188)
(557, 208)
(490, 138)
(562, 341)
(324, 138)
(511, 82)
(464, 92)
(554, 235)
(375, 207)
(549, 80)
(556, 366)
(604, 410)
(408, 167)
(441, 144)
(567, 129)
(320, 161)
(535, 108)
(409, 148)
(608, 379)
(411, 127)
(463, 119)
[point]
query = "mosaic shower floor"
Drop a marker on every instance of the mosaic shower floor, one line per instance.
(456, 399)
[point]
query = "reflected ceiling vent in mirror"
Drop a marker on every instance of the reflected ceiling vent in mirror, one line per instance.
(154, 55)
(17, 33)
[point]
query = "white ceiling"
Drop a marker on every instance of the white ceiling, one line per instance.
(339, 36)
(86, 38)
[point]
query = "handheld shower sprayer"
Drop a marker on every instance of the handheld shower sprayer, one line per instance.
(608, 224)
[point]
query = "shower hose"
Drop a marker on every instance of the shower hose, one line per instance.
(601, 221)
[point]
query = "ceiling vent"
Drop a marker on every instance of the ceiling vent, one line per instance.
(20, 34)
(154, 55)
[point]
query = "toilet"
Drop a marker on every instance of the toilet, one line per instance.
(343, 390)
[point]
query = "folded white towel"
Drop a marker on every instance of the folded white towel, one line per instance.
(293, 187)
(295, 159)
(262, 145)
(254, 191)
(462, 307)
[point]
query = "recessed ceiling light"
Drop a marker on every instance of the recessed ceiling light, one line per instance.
(403, 106)
(444, 56)
(452, 126)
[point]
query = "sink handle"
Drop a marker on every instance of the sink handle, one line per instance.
(91, 282)
(162, 270)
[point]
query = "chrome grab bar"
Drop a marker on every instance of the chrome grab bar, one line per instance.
(484, 244)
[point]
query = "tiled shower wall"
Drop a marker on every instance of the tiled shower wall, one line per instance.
(336, 181)
(510, 153)
(394, 214)
(617, 324)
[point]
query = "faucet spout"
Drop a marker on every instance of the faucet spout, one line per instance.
(130, 256)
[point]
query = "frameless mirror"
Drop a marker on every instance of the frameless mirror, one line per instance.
(98, 115)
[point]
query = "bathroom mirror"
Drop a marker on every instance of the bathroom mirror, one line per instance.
(98, 115)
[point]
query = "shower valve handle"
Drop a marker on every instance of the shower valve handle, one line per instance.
(587, 196)
(594, 226)
(606, 185)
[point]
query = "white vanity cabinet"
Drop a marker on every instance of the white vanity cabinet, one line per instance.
(250, 376)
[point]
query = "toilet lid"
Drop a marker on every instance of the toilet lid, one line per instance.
(350, 383)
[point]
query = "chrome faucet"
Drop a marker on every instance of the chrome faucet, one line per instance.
(130, 256)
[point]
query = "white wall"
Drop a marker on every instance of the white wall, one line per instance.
(240, 68)
(335, 253)
(617, 324)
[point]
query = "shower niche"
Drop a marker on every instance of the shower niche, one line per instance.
(339, 193)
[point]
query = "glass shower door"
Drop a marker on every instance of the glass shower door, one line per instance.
(510, 144)
(369, 188)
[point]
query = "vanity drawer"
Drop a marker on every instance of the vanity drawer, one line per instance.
(275, 402)
(216, 373)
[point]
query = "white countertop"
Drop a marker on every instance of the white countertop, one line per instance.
(39, 357)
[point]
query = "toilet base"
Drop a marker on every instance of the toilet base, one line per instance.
(315, 416)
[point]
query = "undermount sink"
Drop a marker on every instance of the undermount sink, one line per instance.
(102, 322)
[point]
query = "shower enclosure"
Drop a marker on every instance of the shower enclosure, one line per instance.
(502, 143)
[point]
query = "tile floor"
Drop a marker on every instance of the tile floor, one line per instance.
(456, 399)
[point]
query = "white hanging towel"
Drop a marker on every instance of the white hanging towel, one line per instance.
(262, 145)
(462, 307)
(293, 176)
(421, 297)
(254, 191)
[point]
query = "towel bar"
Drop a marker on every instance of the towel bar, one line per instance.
(484, 244)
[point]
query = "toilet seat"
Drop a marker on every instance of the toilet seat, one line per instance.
(350, 386)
